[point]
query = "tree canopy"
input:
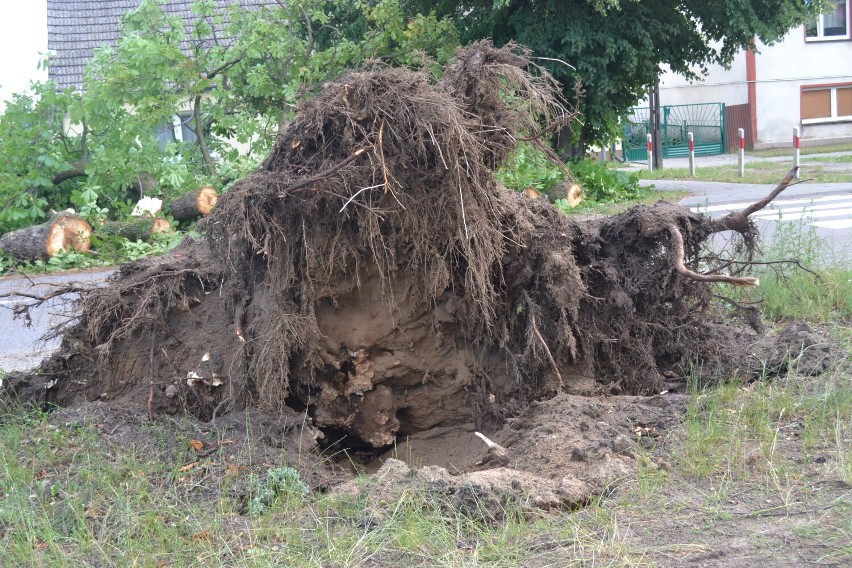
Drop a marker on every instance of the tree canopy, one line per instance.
(232, 78)
(617, 47)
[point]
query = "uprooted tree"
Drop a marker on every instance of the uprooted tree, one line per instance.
(372, 272)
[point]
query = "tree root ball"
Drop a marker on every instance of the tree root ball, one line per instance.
(373, 274)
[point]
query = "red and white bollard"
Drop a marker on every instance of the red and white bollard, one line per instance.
(797, 150)
(650, 154)
(691, 154)
(741, 135)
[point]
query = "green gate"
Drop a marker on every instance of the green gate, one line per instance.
(705, 121)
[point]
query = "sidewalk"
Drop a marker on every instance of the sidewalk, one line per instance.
(702, 192)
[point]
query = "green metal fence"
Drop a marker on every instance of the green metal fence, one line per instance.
(705, 121)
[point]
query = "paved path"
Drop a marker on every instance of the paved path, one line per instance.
(21, 347)
(824, 207)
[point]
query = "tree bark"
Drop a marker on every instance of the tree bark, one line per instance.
(201, 135)
(78, 169)
(40, 242)
(194, 204)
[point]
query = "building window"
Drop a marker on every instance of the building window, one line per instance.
(831, 25)
(180, 130)
(827, 104)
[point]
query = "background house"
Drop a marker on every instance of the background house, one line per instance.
(76, 27)
(803, 81)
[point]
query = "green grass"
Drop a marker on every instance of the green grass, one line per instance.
(821, 297)
(805, 150)
(755, 172)
(740, 431)
(68, 498)
(817, 287)
(846, 159)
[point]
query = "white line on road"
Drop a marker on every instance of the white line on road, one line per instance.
(781, 202)
(803, 214)
(834, 224)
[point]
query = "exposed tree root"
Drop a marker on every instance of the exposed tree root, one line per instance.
(373, 273)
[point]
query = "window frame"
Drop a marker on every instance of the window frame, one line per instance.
(832, 87)
(820, 25)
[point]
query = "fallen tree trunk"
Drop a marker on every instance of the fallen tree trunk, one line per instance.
(569, 191)
(136, 229)
(194, 204)
(39, 242)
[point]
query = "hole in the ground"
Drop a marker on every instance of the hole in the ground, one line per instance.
(343, 447)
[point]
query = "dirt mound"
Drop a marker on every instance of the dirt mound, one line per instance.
(374, 275)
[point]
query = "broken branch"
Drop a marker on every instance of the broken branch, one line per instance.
(738, 220)
(680, 267)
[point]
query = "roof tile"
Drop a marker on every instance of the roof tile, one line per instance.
(76, 27)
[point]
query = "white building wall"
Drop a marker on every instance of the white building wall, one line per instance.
(782, 69)
(719, 86)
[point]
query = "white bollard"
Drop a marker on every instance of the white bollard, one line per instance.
(797, 150)
(691, 155)
(741, 134)
(650, 154)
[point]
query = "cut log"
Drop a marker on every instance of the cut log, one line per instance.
(136, 229)
(568, 190)
(194, 204)
(62, 232)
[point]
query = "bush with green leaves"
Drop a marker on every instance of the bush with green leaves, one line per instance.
(528, 167)
(602, 184)
(235, 87)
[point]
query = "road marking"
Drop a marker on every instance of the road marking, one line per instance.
(801, 214)
(835, 224)
(821, 212)
(779, 202)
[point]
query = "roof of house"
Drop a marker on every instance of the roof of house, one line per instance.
(76, 27)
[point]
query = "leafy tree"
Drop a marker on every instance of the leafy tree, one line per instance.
(234, 77)
(617, 47)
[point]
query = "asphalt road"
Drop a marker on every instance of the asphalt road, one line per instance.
(21, 347)
(825, 208)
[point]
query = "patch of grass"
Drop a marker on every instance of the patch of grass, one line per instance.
(69, 499)
(822, 293)
(805, 150)
(755, 172)
(748, 432)
(845, 159)
(823, 296)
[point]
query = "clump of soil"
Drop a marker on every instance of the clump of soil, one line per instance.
(373, 274)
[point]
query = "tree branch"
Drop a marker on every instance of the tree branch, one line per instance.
(678, 258)
(738, 220)
(225, 66)
(202, 137)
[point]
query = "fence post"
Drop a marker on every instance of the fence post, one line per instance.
(797, 152)
(741, 135)
(650, 153)
(691, 155)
